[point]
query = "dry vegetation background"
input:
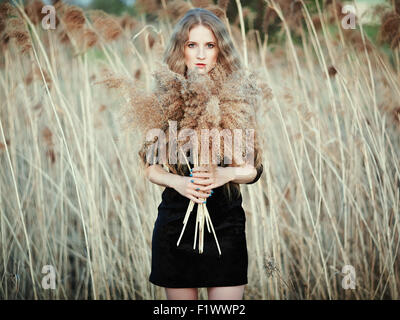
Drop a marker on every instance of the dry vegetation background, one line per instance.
(72, 195)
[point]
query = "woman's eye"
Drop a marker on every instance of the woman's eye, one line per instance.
(191, 45)
(210, 45)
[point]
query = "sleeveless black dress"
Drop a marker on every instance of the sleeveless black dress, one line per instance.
(182, 266)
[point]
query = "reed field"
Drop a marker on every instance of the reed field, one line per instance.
(73, 197)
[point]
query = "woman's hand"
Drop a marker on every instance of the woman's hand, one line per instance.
(192, 190)
(212, 179)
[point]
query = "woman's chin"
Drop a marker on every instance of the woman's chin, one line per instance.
(201, 70)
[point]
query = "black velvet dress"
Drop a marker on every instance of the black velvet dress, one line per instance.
(182, 266)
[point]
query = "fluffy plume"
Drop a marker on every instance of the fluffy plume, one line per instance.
(148, 6)
(219, 12)
(127, 22)
(389, 31)
(73, 18)
(216, 100)
(17, 30)
(140, 110)
(291, 11)
(223, 4)
(354, 38)
(106, 26)
(88, 39)
(201, 3)
(177, 8)
(35, 75)
(33, 10)
(6, 9)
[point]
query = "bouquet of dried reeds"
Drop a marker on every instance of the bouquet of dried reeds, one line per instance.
(217, 100)
(202, 215)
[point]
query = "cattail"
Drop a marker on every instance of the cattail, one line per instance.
(219, 12)
(6, 9)
(2, 26)
(112, 82)
(4, 40)
(74, 19)
(148, 6)
(390, 27)
(177, 8)
(201, 3)
(37, 106)
(395, 42)
(33, 10)
(140, 110)
(138, 72)
(51, 154)
(270, 17)
(396, 116)
(265, 90)
(88, 39)
(397, 6)
(151, 41)
(223, 4)
(106, 26)
(355, 39)
(64, 37)
(16, 29)
(335, 11)
(35, 74)
(47, 136)
(127, 22)
(316, 21)
(332, 71)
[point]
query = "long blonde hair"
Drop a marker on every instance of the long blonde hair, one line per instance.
(228, 57)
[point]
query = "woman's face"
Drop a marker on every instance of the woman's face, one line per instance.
(201, 49)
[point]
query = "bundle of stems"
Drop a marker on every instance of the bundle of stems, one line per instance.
(201, 217)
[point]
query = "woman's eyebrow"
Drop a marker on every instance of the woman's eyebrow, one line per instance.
(187, 41)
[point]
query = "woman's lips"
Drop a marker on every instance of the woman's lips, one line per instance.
(200, 65)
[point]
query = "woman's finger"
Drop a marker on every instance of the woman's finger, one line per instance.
(194, 199)
(202, 181)
(200, 168)
(203, 188)
(200, 194)
(201, 174)
(208, 188)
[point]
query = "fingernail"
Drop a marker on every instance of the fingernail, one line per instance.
(191, 175)
(204, 202)
(212, 192)
(192, 180)
(197, 188)
(209, 195)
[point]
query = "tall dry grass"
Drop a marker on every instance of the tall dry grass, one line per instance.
(72, 195)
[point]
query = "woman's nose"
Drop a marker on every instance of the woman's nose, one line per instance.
(200, 54)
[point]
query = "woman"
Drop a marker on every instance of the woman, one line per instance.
(200, 43)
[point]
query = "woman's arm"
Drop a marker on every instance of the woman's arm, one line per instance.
(182, 184)
(247, 174)
(158, 175)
